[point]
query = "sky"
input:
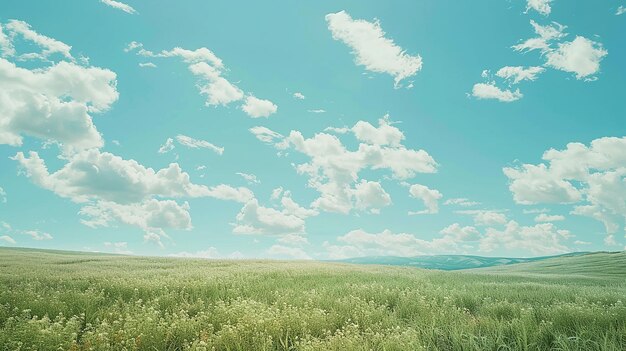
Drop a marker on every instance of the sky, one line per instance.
(313, 130)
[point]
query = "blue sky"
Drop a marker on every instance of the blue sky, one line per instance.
(325, 129)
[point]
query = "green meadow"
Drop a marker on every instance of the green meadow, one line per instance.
(53, 300)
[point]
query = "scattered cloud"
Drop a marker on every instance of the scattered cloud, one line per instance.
(540, 239)
(542, 217)
(3, 196)
(147, 64)
(541, 6)
(256, 108)
(371, 48)
(620, 10)
(250, 178)
(486, 217)
(517, 74)
(37, 235)
(198, 144)
(120, 6)
(580, 56)
(49, 46)
(333, 170)
(317, 111)
(298, 96)
(591, 177)
(491, 91)
(210, 70)
(430, 197)
(461, 201)
(7, 239)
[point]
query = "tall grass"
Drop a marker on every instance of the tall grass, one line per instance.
(64, 301)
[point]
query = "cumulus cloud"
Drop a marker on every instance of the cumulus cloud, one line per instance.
(541, 6)
(540, 239)
(581, 56)
(485, 217)
(120, 6)
(256, 108)
(430, 197)
(491, 91)
(256, 219)
(298, 96)
(360, 243)
(592, 177)
(113, 189)
(371, 48)
(460, 233)
(54, 103)
(333, 170)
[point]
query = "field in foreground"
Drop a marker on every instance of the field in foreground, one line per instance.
(71, 301)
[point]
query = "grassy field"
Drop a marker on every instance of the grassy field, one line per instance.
(70, 301)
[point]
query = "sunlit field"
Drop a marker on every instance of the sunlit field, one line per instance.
(69, 301)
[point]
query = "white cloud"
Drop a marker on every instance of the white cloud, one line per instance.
(256, 219)
(37, 235)
(209, 69)
(516, 74)
(542, 217)
(370, 47)
(298, 96)
(147, 64)
(113, 189)
(167, 147)
(317, 111)
(546, 35)
(48, 45)
(540, 239)
(54, 103)
(620, 10)
(491, 91)
(3, 196)
(7, 239)
(6, 46)
(266, 135)
(460, 233)
(593, 177)
(250, 178)
(541, 6)
(190, 143)
(196, 143)
(334, 171)
(580, 56)
(485, 217)
(120, 6)
(359, 243)
(256, 108)
(430, 197)
(282, 251)
(384, 134)
(371, 196)
(461, 201)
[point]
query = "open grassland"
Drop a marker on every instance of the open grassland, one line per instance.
(69, 301)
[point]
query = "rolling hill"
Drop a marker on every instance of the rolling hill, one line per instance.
(449, 262)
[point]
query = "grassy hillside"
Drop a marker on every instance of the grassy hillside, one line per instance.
(60, 300)
(446, 262)
(599, 265)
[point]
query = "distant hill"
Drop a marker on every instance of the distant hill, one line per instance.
(604, 265)
(449, 262)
